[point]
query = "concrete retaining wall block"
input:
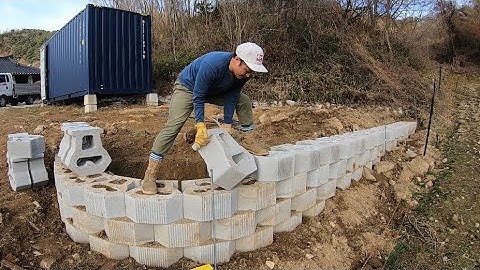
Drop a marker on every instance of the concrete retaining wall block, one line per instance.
(205, 253)
(241, 224)
(183, 233)
(23, 145)
(125, 231)
(318, 177)
(198, 203)
(255, 195)
(290, 224)
(314, 210)
(327, 190)
(104, 200)
(291, 187)
(262, 237)
(77, 235)
(305, 200)
(38, 172)
(307, 158)
(155, 255)
(276, 214)
(345, 181)
(108, 249)
(274, 167)
(87, 222)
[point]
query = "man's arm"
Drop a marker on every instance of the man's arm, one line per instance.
(230, 102)
(202, 84)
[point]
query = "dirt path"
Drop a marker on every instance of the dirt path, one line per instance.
(444, 231)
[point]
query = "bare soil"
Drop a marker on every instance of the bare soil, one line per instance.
(356, 230)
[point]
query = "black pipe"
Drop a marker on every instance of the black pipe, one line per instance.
(430, 118)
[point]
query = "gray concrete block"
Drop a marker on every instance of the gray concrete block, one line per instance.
(155, 255)
(255, 195)
(290, 224)
(323, 148)
(200, 205)
(25, 146)
(307, 157)
(314, 210)
(327, 190)
(305, 200)
(337, 169)
(77, 235)
(38, 172)
(318, 177)
(90, 99)
(275, 214)
(109, 249)
(73, 189)
(183, 233)
(162, 208)
(345, 181)
(275, 166)
(87, 222)
(230, 162)
(151, 99)
(125, 231)
(104, 200)
(19, 176)
(262, 237)
(241, 224)
(90, 108)
(212, 252)
(357, 174)
(182, 185)
(291, 187)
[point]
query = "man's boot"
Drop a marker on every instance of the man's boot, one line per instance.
(149, 185)
(246, 140)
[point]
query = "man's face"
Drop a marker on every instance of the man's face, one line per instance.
(239, 69)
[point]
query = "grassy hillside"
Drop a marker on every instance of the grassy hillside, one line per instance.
(24, 44)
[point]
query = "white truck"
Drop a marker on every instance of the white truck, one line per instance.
(13, 93)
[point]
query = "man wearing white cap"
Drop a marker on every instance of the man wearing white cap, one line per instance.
(216, 78)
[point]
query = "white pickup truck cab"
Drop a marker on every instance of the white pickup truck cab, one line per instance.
(13, 93)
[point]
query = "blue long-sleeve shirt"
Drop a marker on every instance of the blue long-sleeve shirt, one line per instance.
(209, 75)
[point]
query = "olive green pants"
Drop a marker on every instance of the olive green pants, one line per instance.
(181, 106)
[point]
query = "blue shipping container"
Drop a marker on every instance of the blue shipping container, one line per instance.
(102, 51)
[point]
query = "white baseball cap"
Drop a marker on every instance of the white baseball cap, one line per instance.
(252, 55)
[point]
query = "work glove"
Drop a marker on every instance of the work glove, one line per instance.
(201, 138)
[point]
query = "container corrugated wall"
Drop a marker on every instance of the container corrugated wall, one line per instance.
(101, 51)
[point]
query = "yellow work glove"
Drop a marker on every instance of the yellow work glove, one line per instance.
(228, 127)
(201, 138)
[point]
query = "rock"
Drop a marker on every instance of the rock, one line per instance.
(418, 166)
(309, 256)
(368, 174)
(76, 256)
(384, 166)
(333, 124)
(39, 129)
(411, 154)
(270, 264)
(391, 182)
(47, 263)
(429, 184)
(375, 263)
(355, 127)
(444, 160)
(290, 102)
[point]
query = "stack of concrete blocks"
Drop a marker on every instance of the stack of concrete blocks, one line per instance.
(152, 99)
(81, 149)
(201, 221)
(90, 103)
(26, 167)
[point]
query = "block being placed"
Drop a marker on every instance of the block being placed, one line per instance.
(38, 172)
(230, 162)
(22, 145)
(262, 237)
(86, 155)
(75, 234)
(109, 249)
(255, 195)
(162, 208)
(327, 190)
(241, 224)
(318, 177)
(200, 205)
(183, 233)
(155, 255)
(104, 200)
(211, 252)
(125, 231)
(276, 166)
(314, 210)
(275, 214)
(87, 222)
(289, 224)
(291, 187)
(305, 200)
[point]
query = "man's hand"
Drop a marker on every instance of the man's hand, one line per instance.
(201, 138)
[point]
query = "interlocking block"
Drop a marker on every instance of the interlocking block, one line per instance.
(327, 190)
(291, 187)
(38, 172)
(86, 155)
(90, 108)
(345, 181)
(337, 169)
(152, 99)
(205, 183)
(155, 255)
(341, 148)
(72, 189)
(305, 200)
(230, 162)
(65, 142)
(75, 234)
(19, 175)
(104, 200)
(255, 195)
(314, 210)
(212, 252)
(87, 222)
(90, 99)
(162, 208)
(125, 231)
(262, 237)
(289, 224)
(183, 233)
(200, 205)
(350, 164)
(64, 209)
(241, 224)
(323, 148)
(275, 166)
(318, 176)
(275, 214)
(357, 174)
(23, 145)
(109, 249)
(307, 157)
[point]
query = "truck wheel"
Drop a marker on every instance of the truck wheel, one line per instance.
(3, 101)
(29, 100)
(14, 102)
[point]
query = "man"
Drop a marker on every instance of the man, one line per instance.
(216, 78)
